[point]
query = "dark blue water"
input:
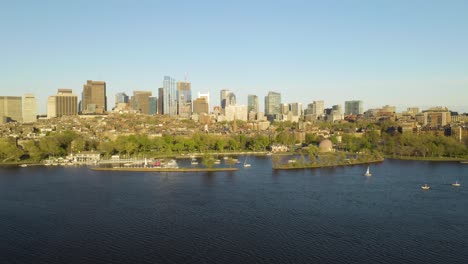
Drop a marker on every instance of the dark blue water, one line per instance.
(254, 215)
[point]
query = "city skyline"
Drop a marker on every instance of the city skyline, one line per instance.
(398, 53)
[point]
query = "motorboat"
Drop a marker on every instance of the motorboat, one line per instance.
(425, 187)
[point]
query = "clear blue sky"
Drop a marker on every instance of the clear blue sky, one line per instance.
(403, 53)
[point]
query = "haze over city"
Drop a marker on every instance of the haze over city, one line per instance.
(397, 52)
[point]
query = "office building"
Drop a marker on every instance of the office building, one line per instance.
(354, 107)
(94, 99)
(169, 96)
(153, 105)
(236, 112)
(63, 103)
(29, 108)
(121, 98)
(160, 101)
(140, 101)
(207, 98)
(272, 105)
(252, 103)
(201, 105)
(184, 99)
(11, 109)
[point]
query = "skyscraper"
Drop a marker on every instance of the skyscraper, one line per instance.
(160, 101)
(29, 108)
(222, 98)
(200, 105)
(153, 105)
(354, 108)
(318, 108)
(11, 109)
(121, 98)
(184, 99)
(272, 104)
(169, 96)
(207, 97)
(63, 103)
(94, 99)
(252, 103)
(140, 101)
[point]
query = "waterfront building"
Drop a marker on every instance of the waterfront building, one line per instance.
(29, 108)
(272, 105)
(140, 101)
(354, 107)
(252, 103)
(184, 99)
(169, 96)
(11, 109)
(94, 99)
(63, 103)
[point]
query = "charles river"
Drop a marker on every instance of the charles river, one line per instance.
(254, 215)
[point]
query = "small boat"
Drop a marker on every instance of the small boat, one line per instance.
(217, 161)
(194, 161)
(456, 184)
(368, 172)
(246, 165)
(425, 187)
(23, 165)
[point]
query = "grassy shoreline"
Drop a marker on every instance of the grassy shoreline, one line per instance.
(318, 166)
(425, 158)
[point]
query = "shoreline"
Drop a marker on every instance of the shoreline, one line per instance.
(165, 169)
(328, 166)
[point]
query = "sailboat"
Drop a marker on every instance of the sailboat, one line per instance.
(246, 165)
(368, 172)
(456, 184)
(425, 187)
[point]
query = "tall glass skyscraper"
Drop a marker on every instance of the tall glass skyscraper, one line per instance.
(252, 103)
(273, 103)
(169, 96)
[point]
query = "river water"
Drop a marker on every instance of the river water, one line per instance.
(254, 215)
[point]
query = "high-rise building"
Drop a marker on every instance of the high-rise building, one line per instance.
(94, 99)
(223, 95)
(272, 104)
(354, 108)
(169, 96)
(160, 101)
(318, 108)
(121, 98)
(11, 109)
(63, 103)
(153, 105)
(201, 105)
(296, 109)
(236, 112)
(29, 108)
(207, 98)
(184, 99)
(140, 101)
(252, 103)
